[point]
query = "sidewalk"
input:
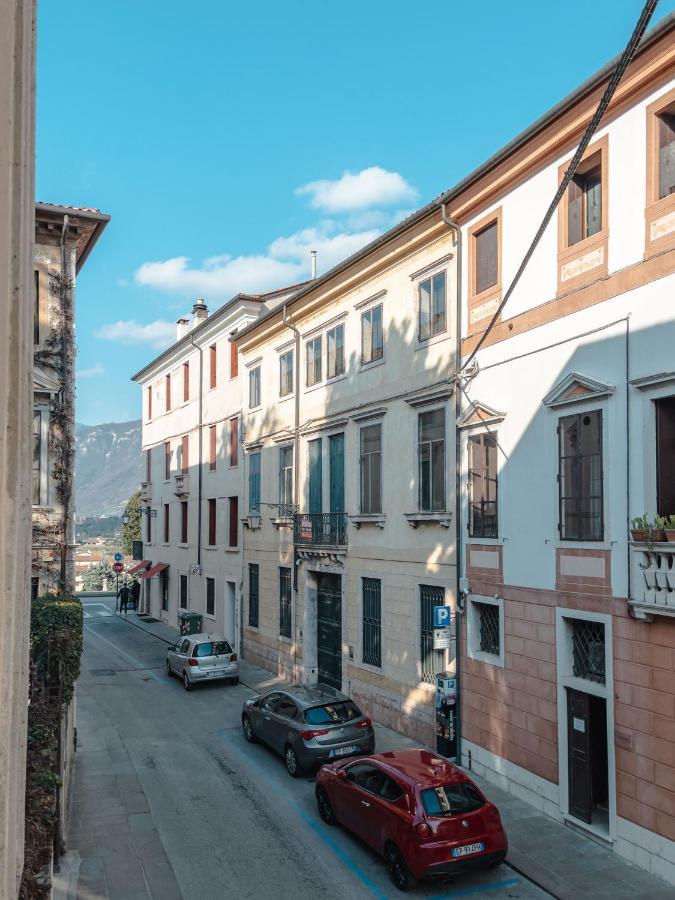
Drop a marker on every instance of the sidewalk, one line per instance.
(568, 865)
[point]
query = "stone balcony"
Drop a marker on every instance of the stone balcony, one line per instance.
(181, 485)
(652, 580)
(146, 491)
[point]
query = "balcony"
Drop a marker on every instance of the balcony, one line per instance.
(146, 491)
(652, 580)
(320, 534)
(181, 485)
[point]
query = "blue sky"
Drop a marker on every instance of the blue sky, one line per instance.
(226, 140)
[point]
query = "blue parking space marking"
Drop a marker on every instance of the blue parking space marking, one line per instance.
(317, 828)
(480, 888)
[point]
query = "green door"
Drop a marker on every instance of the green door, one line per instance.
(315, 477)
(337, 473)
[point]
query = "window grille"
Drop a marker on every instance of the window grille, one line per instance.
(488, 627)
(253, 600)
(372, 621)
(433, 661)
(285, 602)
(580, 477)
(588, 650)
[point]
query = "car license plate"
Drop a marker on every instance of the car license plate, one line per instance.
(345, 751)
(214, 673)
(468, 849)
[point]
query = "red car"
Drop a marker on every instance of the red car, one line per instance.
(424, 815)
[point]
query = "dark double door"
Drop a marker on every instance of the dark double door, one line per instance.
(329, 628)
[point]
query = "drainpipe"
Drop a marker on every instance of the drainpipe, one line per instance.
(199, 476)
(457, 239)
(68, 399)
(296, 464)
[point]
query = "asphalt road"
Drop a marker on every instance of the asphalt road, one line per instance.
(232, 822)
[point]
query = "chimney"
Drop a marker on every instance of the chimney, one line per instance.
(313, 252)
(182, 328)
(199, 312)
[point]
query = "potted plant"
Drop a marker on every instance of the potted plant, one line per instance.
(660, 525)
(669, 528)
(642, 529)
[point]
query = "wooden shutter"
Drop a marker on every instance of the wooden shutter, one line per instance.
(212, 363)
(166, 523)
(315, 476)
(234, 442)
(185, 454)
(184, 522)
(665, 456)
(234, 360)
(212, 448)
(234, 521)
(487, 257)
(150, 402)
(167, 460)
(167, 388)
(148, 465)
(212, 522)
(186, 382)
(336, 444)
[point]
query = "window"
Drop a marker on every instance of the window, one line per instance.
(432, 661)
(285, 481)
(148, 525)
(183, 597)
(211, 506)
(371, 469)
(313, 361)
(185, 454)
(488, 624)
(166, 523)
(588, 650)
(210, 597)
(234, 360)
(580, 477)
(184, 522)
(213, 366)
(149, 396)
(254, 388)
(253, 600)
(37, 458)
(343, 711)
(286, 708)
(584, 201)
(372, 338)
(335, 348)
(212, 448)
(451, 800)
(431, 457)
(666, 157)
(486, 257)
(234, 442)
(164, 589)
(148, 465)
(665, 456)
(34, 587)
(36, 308)
(660, 201)
(234, 522)
(167, 460)
(186, 382)
(254, 483)
(167, 390)
(285, 594)
(483, 485)
(431, 307)
(485, 629)
(372, 621)
(286, 373)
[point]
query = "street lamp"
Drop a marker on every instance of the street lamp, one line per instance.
(125, 519)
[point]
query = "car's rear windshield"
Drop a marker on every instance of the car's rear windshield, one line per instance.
(331, 713)
(451, 799)
(212, 648)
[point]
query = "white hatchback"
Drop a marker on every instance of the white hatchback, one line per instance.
(202, 657)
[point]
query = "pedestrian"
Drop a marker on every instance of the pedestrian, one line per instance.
(123, 595)
(135, 593)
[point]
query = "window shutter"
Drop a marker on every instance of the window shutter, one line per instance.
(234, 521)
(234, 442)
(212, 359)
(212, 447)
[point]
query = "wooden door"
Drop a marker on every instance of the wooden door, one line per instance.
(579, 755)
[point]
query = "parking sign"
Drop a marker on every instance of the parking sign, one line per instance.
(442, 616)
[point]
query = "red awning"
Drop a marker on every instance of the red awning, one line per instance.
(156, 569)
(139, 567)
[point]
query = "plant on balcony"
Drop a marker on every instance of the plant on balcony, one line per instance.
(642, 528)
(669, 528)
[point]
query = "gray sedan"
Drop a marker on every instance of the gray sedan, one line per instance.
(308, 724)
(202, 657)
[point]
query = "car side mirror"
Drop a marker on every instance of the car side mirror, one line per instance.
(341, 773)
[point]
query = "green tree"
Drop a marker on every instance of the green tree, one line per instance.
(132, 531)
(95, 576)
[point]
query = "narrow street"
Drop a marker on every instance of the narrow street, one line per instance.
(170, 800)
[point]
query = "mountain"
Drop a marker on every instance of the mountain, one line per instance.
(107, 467)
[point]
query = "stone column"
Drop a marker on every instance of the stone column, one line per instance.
(17, 232)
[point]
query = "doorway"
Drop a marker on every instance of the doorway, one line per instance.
(230, 597)
(588, 781)
(329, 628)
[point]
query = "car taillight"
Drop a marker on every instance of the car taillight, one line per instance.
(193, 662)
(367, 723)
(308, 735)
(423, 830)
(233, 658)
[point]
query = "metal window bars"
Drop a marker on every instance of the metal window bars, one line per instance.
(488, 627)
(432, 661)
(285, 602)
(588, 650)
(372, 621)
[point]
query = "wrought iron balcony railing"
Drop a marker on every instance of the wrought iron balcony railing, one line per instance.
(320, 529)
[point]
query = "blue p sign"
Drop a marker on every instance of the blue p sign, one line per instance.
(442, 616)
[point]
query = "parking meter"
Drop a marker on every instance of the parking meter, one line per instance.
(446, 715)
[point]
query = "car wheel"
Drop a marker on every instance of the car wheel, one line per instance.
(248, 729)
(169, 670)
(292, 764)
(235, 680)
(187, 684)
(498, 861)
(398, 868)
(325, 806)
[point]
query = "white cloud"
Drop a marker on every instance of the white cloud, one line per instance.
(159, 333)
(96, 369)
(368, 188)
